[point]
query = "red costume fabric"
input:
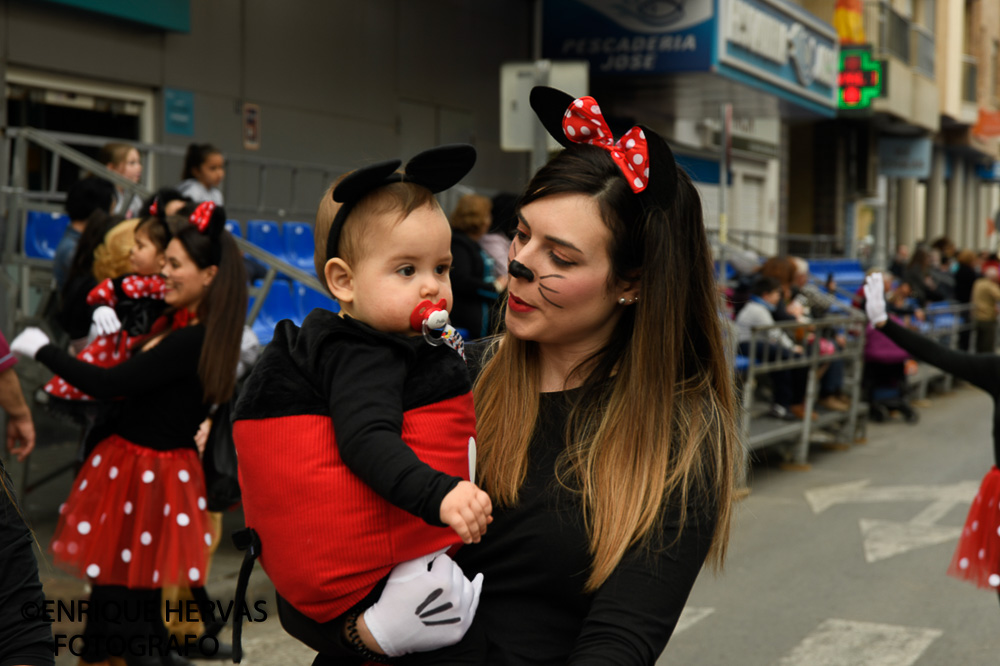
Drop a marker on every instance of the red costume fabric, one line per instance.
(327, 535)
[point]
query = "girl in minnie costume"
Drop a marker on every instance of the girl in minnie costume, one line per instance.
(977, 557)
(355, 433)
(135, 519)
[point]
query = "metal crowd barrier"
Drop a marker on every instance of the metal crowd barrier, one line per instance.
(761, 432)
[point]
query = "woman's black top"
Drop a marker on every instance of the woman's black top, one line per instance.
(980, 370)
(161, 393)
(25, 635)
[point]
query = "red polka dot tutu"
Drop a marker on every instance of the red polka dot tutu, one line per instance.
(977, 558)
(135, 517)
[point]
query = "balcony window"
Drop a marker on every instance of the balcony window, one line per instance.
(970, 71)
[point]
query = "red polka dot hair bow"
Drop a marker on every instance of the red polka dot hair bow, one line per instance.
(583, 123)
(202, 215)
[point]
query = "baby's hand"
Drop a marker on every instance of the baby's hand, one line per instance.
(466, 509)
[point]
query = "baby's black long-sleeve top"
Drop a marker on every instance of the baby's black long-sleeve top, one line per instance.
(980, 370)
(161, 394)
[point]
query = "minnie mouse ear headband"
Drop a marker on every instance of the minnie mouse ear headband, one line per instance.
(645, 159)
(436, 169)
(210, 220)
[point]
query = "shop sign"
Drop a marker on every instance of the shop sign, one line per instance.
(782, 45)
(630, 36)
(990, 172)
(904, 157)
(987, 124)
(861, 79)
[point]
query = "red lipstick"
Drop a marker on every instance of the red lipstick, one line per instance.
(517, 305)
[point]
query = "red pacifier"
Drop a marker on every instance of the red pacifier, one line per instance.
(429, 315)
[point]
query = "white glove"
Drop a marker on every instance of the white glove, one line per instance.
(422, 610)
(875, 299)
(29, 342)
(106, 320)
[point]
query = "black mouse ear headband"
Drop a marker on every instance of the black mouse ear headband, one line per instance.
(645, 159)
(436, 169)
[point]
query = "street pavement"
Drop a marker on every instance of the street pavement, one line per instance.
(842, 564)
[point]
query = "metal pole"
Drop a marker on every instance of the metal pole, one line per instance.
(726, 111)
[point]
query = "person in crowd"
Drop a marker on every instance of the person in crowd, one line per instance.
(885, 369)
(900, 261)
(20, 427)
(125, 160)
(918, 274)
(605, 507)
(473, 280)
(75, 313)
(966, 274)
(788, 385)
(397, 409)
(24, 639)
(203, 173)
(82, 199)
(985, 308)
(977, 556)
(135, 517)
(496, 241)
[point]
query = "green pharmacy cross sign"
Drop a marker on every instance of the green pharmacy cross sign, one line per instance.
(861, 78)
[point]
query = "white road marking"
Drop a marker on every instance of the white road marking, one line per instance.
(690, 617)
(847, 643)
(884, 539)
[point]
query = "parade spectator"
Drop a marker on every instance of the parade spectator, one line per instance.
(473, 282)
(82, 199)
(496, 241)
(985, 302)
(918, 274)
(204, 170)
(787, 385)
(124, 159)
(145, 476)
(966, 273)
(653, 476)
(900, 261)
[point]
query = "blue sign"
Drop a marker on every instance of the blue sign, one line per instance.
(631, 36)
(770, 45)
(169, 14)
(178, 112)
(904, 157)
(990, 172)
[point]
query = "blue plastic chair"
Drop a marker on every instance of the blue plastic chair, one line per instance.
(267, 236)
(309, 299)
(299, 245)
(233, 227)
(43, 233)
(278, 306)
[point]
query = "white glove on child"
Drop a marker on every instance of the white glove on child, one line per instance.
(29, 342)
(106, 320)
(875, 299)
(422, 610)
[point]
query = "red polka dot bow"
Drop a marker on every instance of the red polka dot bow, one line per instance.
(583, 123)
(202, 215)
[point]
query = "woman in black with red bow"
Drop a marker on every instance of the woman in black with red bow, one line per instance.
(135, 519)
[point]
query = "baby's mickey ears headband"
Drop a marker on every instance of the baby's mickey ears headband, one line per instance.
(436, 169)
(644, 158)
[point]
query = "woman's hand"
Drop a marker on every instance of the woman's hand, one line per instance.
(875, 300)
(427, 604)
(29, 342)
(201, 437)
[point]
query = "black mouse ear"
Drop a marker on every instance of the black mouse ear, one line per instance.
(357, 184)
(662, 186)
(439, 168)
(550, 105)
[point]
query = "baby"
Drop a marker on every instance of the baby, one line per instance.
(355, 433)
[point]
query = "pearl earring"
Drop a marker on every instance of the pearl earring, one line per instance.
(621, 301)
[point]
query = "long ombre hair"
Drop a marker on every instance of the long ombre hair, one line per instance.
(654, 428)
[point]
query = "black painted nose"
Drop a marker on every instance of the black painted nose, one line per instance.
(519, 270)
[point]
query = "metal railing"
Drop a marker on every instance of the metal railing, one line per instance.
(923, 50)
(23, 275)
(758, 433)
(970, 75)
(801, 245)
